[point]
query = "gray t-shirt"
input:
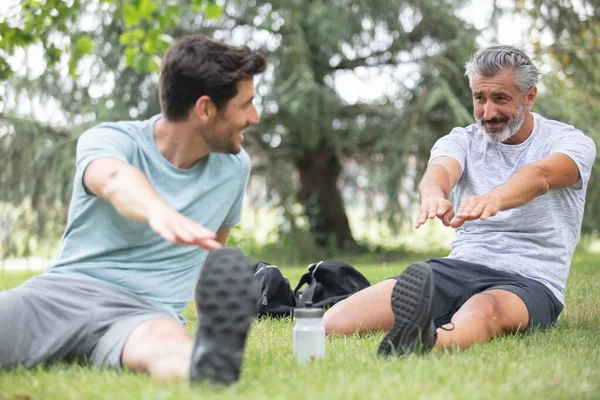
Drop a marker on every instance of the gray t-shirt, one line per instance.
(538, 239)
(102, 244)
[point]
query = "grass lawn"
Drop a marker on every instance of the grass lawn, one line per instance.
(560, 363)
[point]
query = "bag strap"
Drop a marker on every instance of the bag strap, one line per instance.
(307, 294)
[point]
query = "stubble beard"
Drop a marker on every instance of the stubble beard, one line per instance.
(221, 141)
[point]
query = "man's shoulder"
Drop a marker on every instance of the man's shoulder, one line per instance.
(129, 128)
(468, 132)
(549, 126)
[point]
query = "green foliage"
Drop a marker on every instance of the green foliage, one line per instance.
(303, 111)
(418, 46)
(52, 24)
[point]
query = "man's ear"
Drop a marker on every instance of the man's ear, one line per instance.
(205, 109)
(531, 96)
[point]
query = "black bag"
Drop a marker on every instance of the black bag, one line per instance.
(328, 282)
(277, 297)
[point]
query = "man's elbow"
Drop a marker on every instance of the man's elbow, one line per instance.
(111, 183)
(545, 180)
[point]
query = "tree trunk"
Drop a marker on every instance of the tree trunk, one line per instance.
(319, 171)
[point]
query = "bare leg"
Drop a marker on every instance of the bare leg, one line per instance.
(481, 318)
(160, 346)
(368, 310)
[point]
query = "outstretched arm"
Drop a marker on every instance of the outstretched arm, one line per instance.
(440, 177)
(555, 171)
(129, 191)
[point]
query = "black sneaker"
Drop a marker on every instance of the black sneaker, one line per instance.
(412, 299)
(226, 300)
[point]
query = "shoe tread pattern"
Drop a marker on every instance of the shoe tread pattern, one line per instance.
(406, 302)
(227, 297)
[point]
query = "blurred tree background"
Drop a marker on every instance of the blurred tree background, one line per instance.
(321, 146)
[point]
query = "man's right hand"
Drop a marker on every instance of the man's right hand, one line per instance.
(435, 206)
(177, 228)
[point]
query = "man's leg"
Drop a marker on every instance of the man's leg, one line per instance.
(226, 301)
(44, 321)
(161, 346)
(367, 310)
(483, 317)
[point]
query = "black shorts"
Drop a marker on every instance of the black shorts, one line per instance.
(457, 281)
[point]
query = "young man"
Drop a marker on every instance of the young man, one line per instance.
(519, 184)
(150, 199)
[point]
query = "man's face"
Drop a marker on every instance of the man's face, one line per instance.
(498, 104)
(226, 133)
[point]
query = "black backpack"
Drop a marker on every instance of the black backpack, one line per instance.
(276, 296)
(329, 282)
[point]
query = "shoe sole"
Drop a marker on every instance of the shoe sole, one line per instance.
(226, 300)
(409, 302)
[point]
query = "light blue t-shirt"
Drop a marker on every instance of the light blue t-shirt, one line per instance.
(536, 240)
(102, 244)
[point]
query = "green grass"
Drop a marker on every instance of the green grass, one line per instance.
(560, 363)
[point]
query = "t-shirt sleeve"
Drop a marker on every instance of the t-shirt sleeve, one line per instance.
(581, 149)
(235, 213)
(452, 145)
(102, 142)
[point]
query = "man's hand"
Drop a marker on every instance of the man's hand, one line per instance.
(476, 207)
(177, 228)
(435, 206)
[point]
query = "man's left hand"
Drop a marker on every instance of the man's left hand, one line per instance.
(476, 207)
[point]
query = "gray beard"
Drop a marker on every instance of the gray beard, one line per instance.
(509, 130)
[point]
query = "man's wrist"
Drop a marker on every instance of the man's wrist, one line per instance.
(154, 206)
(495, 198)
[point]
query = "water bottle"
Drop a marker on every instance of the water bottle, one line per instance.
(308, 334)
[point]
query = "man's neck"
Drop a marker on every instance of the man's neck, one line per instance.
(179, 142)
(524, 131)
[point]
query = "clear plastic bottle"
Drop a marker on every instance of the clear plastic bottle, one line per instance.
(308, 334)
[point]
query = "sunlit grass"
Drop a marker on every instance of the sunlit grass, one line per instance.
(560, 363)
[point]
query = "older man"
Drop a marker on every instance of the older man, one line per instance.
(519, 183)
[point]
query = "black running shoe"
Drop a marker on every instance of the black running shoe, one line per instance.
(226, 300)
(412, 299)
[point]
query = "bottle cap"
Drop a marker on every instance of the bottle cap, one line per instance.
(308, 312)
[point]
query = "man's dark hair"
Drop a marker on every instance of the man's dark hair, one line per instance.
(196, 66)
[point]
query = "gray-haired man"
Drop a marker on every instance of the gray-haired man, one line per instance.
(519, 183)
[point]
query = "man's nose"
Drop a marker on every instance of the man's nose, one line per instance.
(253, 117)
(489, 111)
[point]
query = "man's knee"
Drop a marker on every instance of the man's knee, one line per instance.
(484, 306)
(153, 340)
(500, 310)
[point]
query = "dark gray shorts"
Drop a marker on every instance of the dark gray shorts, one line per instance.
(457, 281)
(54, 317)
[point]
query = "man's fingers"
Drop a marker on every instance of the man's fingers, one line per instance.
(488, 211)
(457, 222)
(201, 232)
(477, 210)
(184, 235)
(433, 206)
(443, 208)
(423, 213)
(165, 232)
(209, 244)
(447, 218)
(467, 207)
